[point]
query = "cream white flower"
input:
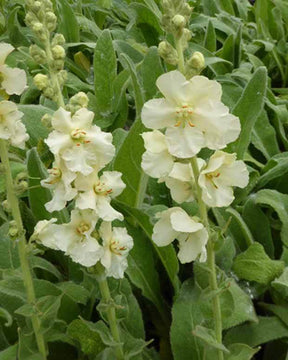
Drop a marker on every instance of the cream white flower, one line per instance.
(192, 236)
(181, 181)
(222, 172)
(11, 127)
(116, 244)
(60, 182)
(74, 238)
(81, 144)
(157, 162)
(13, 81)
(96, 193)
(192, 113)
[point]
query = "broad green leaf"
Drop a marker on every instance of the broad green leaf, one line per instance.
(186, 315)
(32, 121)
(240, 352)
(75, 292)
(208, 337)
(279, 202)
(67, 22)
(151, 69)
(210, 38)
(141, 269)
(89, 340)
(4, 314)
(123, 47)
(9, 353)
(244, 228)
(166, 254)
(249, 108)
(258, 224)
(9, 258)
(281, 311)
(267, 329)
(38, 262)
(276, 167)
(264, 136)
(105, 71)
(281, 283)
(254, 265)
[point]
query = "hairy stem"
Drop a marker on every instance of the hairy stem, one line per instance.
(210, 259)
(21, 242)
(111, 313)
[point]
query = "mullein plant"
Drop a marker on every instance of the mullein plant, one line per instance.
(188, 118)
(13, 132)
(81, 152)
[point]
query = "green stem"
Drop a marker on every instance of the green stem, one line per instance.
(26, 272)
(210, 259)
(179, 49)
(53, 73)
(111, 313)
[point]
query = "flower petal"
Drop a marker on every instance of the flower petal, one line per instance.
(5, 50)
(158, 114)
(163, 233)
(155, 141)
(82, 119)
(113, 181)
(173, 85)
(62, 121)
(157, 165)
(184, 142)
(182, 222)
(193, 246)
(14, 80)
(181, 191)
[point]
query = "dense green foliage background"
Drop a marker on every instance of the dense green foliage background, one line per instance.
(112, 55)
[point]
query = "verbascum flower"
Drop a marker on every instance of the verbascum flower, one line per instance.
(96, 192)
(157, 162)
(12, 81)
(74, 238)
(82, 145)
(116, 245)
(192, 114)
(192, 236)
(217, 179)
(181, 181)
(11, 126)
(60, 182)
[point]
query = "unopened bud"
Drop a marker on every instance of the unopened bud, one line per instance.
(41, 81)
(46, 120)
(58, 52)
(6, 206)
(62, 76)
(49, 92)
(80, 99)
(58, 64)
(168, 53)
(179, 22)
(36, 6)
(38, 54)
(195, 64)
(47, 5)
(51, 21)
(30, 19)
(13, 229)
(58, 39)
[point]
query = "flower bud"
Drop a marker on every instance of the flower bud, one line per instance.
(36, 6)
(6, 206)
(13, 230)
(58, 39)
(30, 19)
(39, 30)
(179, 22)
(41, 81)
(58, 64)
(195, 64)
(38, 54)
(62, 76)
(80, 99)
(49, 92)
(46, 120)
(168, 53)
(47, 4)
(58, 52)
(51, 21)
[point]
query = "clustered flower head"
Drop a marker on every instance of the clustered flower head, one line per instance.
(189, 118)
(82, 150)
(12, 81)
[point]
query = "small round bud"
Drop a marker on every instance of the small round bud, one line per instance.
(36, 6)
(62, 76)
(58, 39)
(47, 121)
(179, 22)
(13, 230)
(187, 35)
(30, 19)
(6, 206)
(47, 5)
(41, 81)
(49, 92)
(38, 27)
(197, 60)
(58, 52)
(21, 187)
(37, 54)
(80, 99)
(58, 64)
(51, 21)
(168, 53)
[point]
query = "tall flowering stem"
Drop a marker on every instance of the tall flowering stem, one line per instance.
(210, 259)
(111, 313)
(204, 218)
(27, 276)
